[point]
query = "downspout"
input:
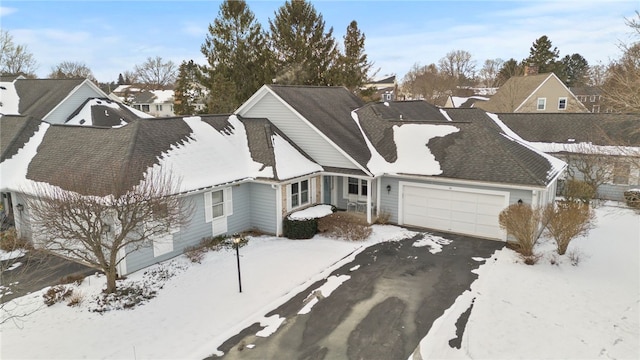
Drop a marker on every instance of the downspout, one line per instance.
(368, 201)
(278, 189)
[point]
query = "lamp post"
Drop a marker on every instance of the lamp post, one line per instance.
(236, 242)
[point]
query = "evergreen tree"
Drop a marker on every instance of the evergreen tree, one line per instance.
(575, 70)
(354, 65)
(304, 53)
(509, 68)
(120, 79)
(237, 56)
(186, 91)
(545, 56)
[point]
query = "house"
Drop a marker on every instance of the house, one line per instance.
(590, 97)
(533, 94)
(158, 103)
(605, 145)
(386, 88)
(287, 148)
(63, 101)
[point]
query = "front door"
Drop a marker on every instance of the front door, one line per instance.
(327, 187)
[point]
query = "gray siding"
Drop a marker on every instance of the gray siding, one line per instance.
(68, 106)
(304, 136)
(263, 208)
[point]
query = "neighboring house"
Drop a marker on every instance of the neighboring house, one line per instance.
(590, 97)
(386, 88)
(63, 101)
(158, 103)
(543, 93)
(287, 148)
(609, 142)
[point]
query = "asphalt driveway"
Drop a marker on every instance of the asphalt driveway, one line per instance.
(394, 294)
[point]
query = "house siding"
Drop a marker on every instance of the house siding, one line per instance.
(304, 136)
(552, 90)
(263, 208)
(68, 106)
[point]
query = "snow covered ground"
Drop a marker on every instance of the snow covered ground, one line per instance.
(542, 311)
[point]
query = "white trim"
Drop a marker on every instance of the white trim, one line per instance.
(402, 184)
(532, 93)
(75, 90)
(544, 104)
(278, 210)
(467, 182)
(566, 103)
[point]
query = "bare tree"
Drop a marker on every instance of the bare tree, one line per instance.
(621, 89)
(458, 65)
(71, 70)
(597, 75)
(524, 223)
(156, 73)
(15, 59)
(489, 72)
(103, 230)
(427, 82)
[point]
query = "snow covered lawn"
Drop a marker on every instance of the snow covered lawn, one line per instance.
(551, 311)
(542, 311)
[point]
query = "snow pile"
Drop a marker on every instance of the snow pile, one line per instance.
(9, 99)
(313, 212)
(553, 310)
(433, 242)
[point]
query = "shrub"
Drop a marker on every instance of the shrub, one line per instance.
(299, 229)
(213, 243)
(632, 198)
(351, 226)
(579, 190)
(383, 217)
(523, 223)
(566, 220)
(57, 293)
(75, 299)
(10, 241)
(73, 278)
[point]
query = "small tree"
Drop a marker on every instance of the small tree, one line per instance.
(102, 230)
(71, 70)
(156, 73)
(523, 222)
(567, 220)
(15, 59)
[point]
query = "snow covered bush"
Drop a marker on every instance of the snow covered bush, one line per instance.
(567, 220)
(523, 223)
(632, 198)
(347, 225)
(56, 294)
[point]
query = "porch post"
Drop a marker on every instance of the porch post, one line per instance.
(369, 201)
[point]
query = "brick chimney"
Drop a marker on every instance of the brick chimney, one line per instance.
(530, 70)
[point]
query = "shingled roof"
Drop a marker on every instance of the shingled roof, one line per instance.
(513, 93)
(15, 131)
(477, 151)
(39, 96)
(328, 108)
(102, 112)
(596, 128)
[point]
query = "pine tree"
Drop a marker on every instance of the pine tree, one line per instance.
(509, 68)
(544, 55)
(304, 53)
(354, 65)
(186, 91)
(237, 56)
(120, 79)
(575, 70)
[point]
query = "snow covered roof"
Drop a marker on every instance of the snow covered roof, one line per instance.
(467, 102)
(104, 112)
(201, 151)
(153, 97)
(460, 144)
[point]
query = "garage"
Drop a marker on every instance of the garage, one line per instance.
(453, 209)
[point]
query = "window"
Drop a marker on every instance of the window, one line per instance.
(387, 96)
(562, 103)
(158, 107)
(595, 108)
(136, 106)
(217, 204)
(621, 173)
(593, 98)
(299, 193)
(542, 103)
(582, 98)
(145, 108)
(357, 186)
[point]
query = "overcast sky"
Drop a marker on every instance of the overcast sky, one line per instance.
(113, 36)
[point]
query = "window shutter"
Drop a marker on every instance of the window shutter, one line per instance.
(288, 197)
(208, 210)
(228, 202)
(312, 189)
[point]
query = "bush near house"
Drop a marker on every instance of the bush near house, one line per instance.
(299, 229)
(566, 220)
(10, 241)
(632, 198)
(347, 225)
(579, 190)
(523, 223)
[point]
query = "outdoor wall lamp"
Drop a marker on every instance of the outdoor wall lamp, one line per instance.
(20, 207)
(388, 189)
(519, 201)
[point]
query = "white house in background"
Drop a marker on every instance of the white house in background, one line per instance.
(386, 88)
(158, 103)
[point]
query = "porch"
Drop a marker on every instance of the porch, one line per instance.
(352, 193)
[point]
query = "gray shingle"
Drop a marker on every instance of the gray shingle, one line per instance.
(39, 96)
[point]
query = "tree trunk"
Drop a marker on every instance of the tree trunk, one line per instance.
(111, 280)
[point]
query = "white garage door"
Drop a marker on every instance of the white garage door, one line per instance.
(453, 209)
